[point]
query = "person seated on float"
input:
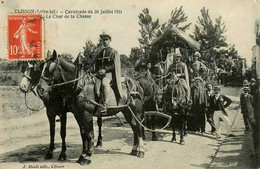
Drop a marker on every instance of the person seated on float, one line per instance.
(179, 67)
(198, 67)
(169, 59)
(108, 69)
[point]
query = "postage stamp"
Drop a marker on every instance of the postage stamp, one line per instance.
(25, 37)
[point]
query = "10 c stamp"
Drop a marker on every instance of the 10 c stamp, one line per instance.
(25, 37)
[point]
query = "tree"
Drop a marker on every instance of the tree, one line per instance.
(149, 28)
(151, 31)
(177, 19)
(210, 34)
(125, 62)
(90, 52)
(135, 54)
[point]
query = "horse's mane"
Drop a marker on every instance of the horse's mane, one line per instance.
(66, 57)
(67, 63)
(180, 89)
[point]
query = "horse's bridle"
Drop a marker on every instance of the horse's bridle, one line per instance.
(29, 78)
(178, 103)
(51, 80)
(32, 86)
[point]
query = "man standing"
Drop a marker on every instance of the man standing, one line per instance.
(108, 69)
(179, 67)
(218, 103)
(199, 100)
(209, 114)
(247, 107)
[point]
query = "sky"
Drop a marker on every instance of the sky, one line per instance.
(70, 35)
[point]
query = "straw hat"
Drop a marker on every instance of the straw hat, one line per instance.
(198, 78)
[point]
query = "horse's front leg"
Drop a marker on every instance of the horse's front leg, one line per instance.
(85, 122)
(137, 106)
(140, 141)
(173, 129)
(51, 117)
(99, 122)
(131, 121)
(136, 109)
(182, 130)
(154, 137)
(63, 122)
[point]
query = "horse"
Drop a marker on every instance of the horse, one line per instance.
(177, 103)
(152, 98)
(59, 75)
(29, 81)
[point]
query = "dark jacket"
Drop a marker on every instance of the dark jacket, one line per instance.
(207, 103)
(220, 104)
(198, 96)
(109, 60)
(247, 104)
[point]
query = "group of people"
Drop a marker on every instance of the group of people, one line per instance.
(249, 102)
(207, 100)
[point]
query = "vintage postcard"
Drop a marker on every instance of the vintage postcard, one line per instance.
(117, 84)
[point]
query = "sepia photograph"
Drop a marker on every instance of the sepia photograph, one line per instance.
(116, 84)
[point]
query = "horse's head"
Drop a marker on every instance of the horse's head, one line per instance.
(31, 75)
(56, 70)
(175, 97)
(177, 94)
(47, 77)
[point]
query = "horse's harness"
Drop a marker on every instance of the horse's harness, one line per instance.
(130, 94)
(179, 102)
(32, 90)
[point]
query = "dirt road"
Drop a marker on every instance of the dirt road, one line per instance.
(24, 142)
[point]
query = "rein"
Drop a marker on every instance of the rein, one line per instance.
(160, 78)
(27, 104)
(156, 113)
(68, 82)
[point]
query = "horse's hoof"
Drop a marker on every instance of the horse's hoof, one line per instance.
(182, 142)
(83, 161)
(154, 138)
(62, 157)
(134, 153)
(173, 140)
(48, 156)
(99, 144)
(140, 154)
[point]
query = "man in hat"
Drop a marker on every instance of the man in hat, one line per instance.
(108, 69)
(218, 103)
(198, 67)
(247, 107)
(245, 84)
(179, 67)
(209, 114)
(199, 100)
